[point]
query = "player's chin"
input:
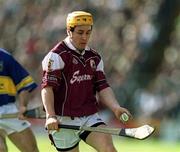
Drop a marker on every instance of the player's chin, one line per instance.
(82, 46)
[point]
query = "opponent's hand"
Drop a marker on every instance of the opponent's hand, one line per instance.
(22, 110)
(52, 123)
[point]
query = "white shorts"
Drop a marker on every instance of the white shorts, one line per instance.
(12, 125)
(67, 139)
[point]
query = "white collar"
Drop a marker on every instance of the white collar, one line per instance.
(71, 46)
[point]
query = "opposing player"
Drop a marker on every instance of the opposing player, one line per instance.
(15, 80)
(72, 75)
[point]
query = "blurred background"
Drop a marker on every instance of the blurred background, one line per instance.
(139, 41)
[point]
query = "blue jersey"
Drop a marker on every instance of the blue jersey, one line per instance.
(13, 78)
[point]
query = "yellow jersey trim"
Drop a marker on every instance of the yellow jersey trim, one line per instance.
(7, 86)
(25, 82)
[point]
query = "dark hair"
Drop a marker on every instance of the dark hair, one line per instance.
(72, 28)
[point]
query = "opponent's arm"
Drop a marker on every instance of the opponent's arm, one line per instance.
(48, 102)
(107, 97)
(23, 101)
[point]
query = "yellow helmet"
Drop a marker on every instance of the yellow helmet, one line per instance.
(79, 18)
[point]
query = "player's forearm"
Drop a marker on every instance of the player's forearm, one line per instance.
(48, 101)
(23, 98)
(107, 97)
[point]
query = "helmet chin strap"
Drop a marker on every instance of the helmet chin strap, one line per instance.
(80, 50)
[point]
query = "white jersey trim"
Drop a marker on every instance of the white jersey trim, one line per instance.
(100, 66)
(52, 61)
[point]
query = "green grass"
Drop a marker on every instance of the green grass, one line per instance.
(122, 145)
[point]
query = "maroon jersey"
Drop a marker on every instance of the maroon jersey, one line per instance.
(75, 79)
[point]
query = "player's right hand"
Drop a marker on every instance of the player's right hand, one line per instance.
(120, 110)
(52, 123)
(22, 110)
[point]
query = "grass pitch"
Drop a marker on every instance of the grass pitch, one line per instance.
(122, 144)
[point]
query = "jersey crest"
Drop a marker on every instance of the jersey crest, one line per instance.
(50, 62)
(92, 64)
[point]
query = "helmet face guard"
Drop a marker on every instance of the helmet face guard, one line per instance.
(77, 18)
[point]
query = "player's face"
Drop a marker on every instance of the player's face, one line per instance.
(80, 36)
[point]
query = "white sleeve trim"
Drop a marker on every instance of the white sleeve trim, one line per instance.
(52, 61)
(100, 66)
